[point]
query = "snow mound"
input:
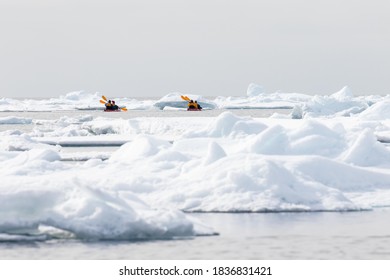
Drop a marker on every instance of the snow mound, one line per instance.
(88, 213)
(228, 124)
(15, 120)
(254, 90)
(344, 94)
(141, 147)
(21, 142)
(367, 151)
(378, 111)
(340, 103)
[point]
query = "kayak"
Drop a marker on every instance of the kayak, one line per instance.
(193, 109)
(105, 110)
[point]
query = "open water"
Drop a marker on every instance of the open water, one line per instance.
(318, 235)
(269, 236)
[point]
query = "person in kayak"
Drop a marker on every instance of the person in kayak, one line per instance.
(191, 104)
(114, 107)
(197, 105)
(108, 105)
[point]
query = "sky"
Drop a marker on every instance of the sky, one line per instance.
(149, 48)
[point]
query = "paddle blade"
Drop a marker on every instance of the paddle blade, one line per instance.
(124, 109)
(102, 101)
(185, 98)
(104, 98)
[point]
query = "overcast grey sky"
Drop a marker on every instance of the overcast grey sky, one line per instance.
(206, 47)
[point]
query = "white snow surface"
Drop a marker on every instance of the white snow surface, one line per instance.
(330, 154)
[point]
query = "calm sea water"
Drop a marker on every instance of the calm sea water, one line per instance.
(320, 235)
(276, 236)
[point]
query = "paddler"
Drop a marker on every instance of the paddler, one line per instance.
(192, 105)
(108, 105)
